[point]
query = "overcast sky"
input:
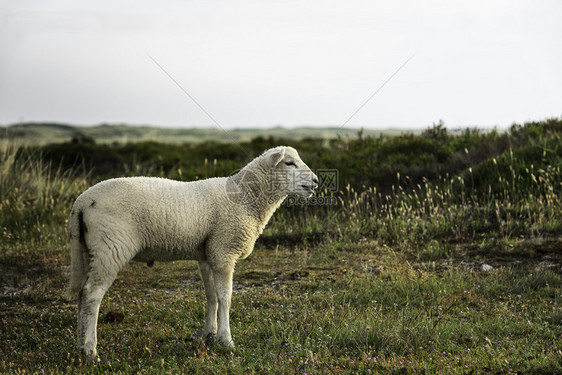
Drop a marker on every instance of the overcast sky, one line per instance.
(265, 63)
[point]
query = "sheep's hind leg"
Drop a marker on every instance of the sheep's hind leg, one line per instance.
(88, 311)
(210, 330)
(103, 271)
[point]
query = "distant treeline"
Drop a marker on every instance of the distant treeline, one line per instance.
(364, 162)
(44, 133)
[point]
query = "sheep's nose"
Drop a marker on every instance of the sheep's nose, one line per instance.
(315, 181)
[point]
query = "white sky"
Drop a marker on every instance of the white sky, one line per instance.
(263, 63)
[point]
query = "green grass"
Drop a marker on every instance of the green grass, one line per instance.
(389, 280)
(369, 309)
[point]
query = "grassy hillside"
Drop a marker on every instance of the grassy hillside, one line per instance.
(45, 133)
(434, 253)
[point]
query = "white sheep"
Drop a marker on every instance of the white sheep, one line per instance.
(214, 221)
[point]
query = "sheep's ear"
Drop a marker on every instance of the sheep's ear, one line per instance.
(276, 157)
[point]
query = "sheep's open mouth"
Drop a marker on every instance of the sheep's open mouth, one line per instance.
(308, 189)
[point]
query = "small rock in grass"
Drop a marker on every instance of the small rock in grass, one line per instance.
(486, 267)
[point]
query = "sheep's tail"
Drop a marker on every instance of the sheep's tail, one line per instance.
(78, 254)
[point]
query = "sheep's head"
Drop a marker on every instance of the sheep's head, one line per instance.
(289, 174)
(275, 174)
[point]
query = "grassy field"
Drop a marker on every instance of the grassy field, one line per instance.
(452, 266)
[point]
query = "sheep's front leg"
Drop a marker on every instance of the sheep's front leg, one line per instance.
(223, 286)
(210, 329)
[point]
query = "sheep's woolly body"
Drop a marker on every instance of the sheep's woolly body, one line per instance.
(154, 219)
(171, 221)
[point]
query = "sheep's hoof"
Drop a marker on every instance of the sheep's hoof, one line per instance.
(90, 355)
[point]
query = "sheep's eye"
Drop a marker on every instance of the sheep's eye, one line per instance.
(290, 163)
